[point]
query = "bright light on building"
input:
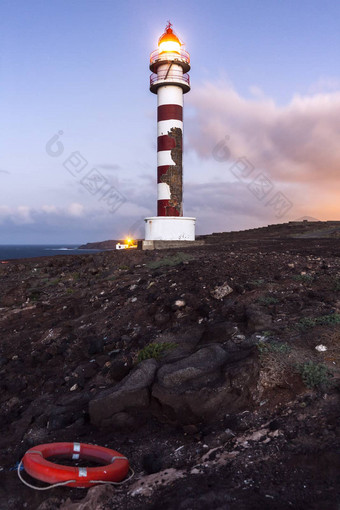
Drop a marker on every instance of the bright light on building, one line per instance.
(169, 46)
(169, 42)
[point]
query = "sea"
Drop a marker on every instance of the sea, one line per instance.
(22, 251)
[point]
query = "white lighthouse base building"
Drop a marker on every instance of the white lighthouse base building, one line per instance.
(170, 228)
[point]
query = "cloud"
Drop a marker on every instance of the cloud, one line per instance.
(73, 223)
(230, 206)
(46, 214)
(4, 211)
(49, 209)
(21, 215)
(294, 146)
(298, 143)
(76, 210)
(223, 198)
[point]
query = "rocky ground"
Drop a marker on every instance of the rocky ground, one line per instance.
(203, 367)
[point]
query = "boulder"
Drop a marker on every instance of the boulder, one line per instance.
(67, 411)
(131, 393)
(184, 342)
(202, 365)
(205, 385)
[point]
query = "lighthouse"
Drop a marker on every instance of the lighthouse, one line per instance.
(169, 80)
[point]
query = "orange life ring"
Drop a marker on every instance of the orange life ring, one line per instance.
(36, 464)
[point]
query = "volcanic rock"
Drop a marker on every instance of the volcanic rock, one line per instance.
(221, 291)
(207, 379)
(131, 392)
(97, 498)
(257, 320)
(203, 387)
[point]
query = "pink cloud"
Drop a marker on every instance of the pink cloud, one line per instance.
(297, 143)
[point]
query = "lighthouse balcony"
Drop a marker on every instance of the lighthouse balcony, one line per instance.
(173, 78)
(182, 58)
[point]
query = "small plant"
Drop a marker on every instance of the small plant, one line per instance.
(70, 291)
(266, 333)
(314, 375)
(273, 347)
(324, 320)
(54, 282)
(268, 300)
(258, 283)
(304, 278)
(328, 320)
(123, 267)
(155, 350)
(306, 323)
(170, 261)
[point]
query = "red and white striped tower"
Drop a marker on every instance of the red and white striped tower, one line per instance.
(169, 64)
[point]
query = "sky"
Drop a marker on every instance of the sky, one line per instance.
(261, 122)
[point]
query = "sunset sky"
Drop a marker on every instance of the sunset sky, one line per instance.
(261, 123)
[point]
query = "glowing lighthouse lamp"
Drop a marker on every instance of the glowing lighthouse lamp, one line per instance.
(169, 80)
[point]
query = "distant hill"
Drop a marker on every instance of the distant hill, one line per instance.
(304, 227)
(100, 245)
(298, 229)
(306, 218)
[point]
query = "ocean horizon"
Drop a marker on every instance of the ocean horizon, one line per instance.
(23, 251)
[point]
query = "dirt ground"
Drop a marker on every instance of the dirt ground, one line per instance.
(73, 326)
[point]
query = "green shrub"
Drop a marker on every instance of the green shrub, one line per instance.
(55, 281)
(324, 320)
(155, 350)
(273, 347)
(314, 375)
(258, 283)
(304, 278)
(268, 300)
(328, 320)
(173, 260)
(306, 323)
